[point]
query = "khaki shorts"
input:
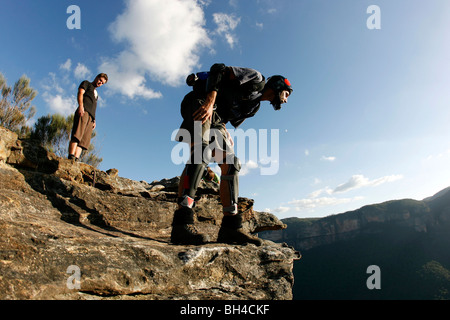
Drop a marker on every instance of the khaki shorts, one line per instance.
(212, 132)
(82, 130)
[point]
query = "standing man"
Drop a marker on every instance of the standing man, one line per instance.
(84, 119)
(225, 94)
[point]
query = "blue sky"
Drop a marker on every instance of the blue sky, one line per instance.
(367, 122)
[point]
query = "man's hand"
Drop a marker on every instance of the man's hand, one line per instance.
(80, 111)
(204, 113)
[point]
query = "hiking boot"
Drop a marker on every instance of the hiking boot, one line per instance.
(231, 232)
(183, 229)
(73, 158)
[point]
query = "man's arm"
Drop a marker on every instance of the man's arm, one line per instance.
(80, 109)
(205, 112)
(212, 86)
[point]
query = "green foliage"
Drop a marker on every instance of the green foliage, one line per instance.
(436, 279)
(91, 156)
(15, 104)
(53, 132)
(414, 266)
(408, 261)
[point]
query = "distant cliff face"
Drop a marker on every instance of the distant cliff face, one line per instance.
(430, 215)
(62, 222)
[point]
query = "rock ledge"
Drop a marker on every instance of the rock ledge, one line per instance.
(62, 221)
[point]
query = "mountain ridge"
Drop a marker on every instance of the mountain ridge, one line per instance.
(408, 240)
(420, 215)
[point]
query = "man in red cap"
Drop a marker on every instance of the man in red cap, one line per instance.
(225, 94)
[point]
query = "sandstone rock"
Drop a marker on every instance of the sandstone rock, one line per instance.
(113, 172)
(58, 216)
(8, 139)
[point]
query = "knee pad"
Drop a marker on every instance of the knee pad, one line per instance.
(232, 176)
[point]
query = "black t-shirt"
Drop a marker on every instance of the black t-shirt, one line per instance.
(90, 97)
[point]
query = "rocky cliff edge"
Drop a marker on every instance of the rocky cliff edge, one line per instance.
(431, 215)
(70, 231)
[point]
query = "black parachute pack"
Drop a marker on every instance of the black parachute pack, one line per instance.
(203, 82)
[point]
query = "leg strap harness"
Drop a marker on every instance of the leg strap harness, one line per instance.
(232, 179)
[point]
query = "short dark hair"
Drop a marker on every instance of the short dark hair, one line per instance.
(102, 75)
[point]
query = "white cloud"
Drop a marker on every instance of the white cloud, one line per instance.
(60, 104)
(81, 72)
(126, 80)
(163, 40)
(313, 203)
(55, 94)
(205, 3)
(314, 200)
(52, 84)
(66, 65)
(279, 210)
(325, 158)
(226, 24)
(246, 167)
(359, 181)
(233, 3)
(324, 197)
(317, 193)
(439, 156)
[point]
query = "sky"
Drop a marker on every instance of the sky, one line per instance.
(367, 121)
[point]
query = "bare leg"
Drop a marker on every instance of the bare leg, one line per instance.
(73, 145)
(78, 152)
